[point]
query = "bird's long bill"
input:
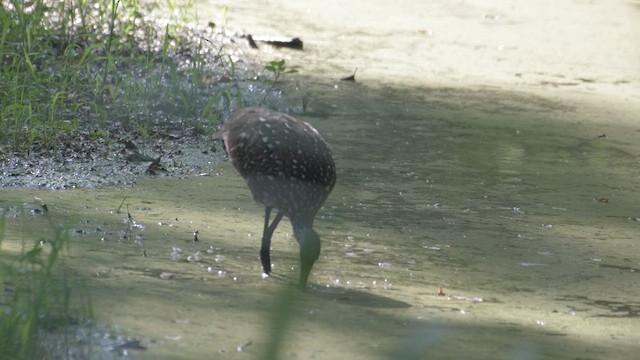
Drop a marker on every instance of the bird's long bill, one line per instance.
(305, 270)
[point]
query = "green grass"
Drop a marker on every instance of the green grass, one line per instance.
(36, 297)
(88, 66)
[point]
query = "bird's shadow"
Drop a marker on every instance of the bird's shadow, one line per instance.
(357, 297)
(346, 296)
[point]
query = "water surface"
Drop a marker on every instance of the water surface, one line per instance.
(527, 224)
(468, 221)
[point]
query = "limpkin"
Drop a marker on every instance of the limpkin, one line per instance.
(288, 167)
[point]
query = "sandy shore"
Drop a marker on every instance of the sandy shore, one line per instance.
(563, 42)
(584, 50)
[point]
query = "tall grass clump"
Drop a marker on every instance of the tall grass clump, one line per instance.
(35, 299)
(103, 67)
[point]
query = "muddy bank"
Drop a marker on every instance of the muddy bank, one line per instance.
(152, 117)
(85, 163)
(106, 100)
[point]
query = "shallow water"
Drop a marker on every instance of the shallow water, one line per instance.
(509, 203)
(504, 211)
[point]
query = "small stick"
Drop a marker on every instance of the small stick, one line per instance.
(120, 207)
(127, 233)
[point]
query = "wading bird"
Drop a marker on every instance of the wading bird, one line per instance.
(288, 167)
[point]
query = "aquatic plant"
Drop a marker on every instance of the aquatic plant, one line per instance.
(36, 298)
(277, 68)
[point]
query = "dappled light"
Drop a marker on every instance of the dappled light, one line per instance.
(486, 203)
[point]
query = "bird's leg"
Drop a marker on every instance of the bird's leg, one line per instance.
(266, 238)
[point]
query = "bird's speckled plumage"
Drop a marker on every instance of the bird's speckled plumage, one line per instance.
(287, 165)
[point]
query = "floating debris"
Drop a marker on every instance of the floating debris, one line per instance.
(176, 253)
(167, 276)
(241, 347)
(290, 43)
(194, 257)
(351, 77)
(528, 264)
(132, 344)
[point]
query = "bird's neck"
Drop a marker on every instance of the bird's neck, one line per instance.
(301, 228)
